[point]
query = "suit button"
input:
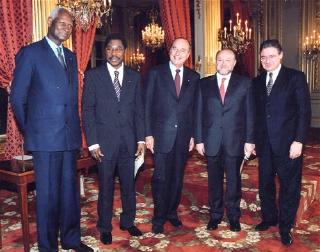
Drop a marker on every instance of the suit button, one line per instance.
(118, 111)
(176, 126)
(268, 116)
(65, 105)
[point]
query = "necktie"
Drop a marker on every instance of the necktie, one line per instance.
(61, 58)
(116, 84)
(222, 92)
(269, 84)
(177, 82)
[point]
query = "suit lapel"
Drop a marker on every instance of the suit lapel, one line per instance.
(105, 80)
(230, 89)
(278, 81)
(185, 82)
(168, 80)
(126, 82)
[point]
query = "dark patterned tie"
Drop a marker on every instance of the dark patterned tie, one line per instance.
(177, 82)
(61, 58)
(270, 84)
(222, 91)
(116, 84)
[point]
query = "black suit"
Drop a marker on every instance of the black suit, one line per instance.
(116, 126)
(224, 128)
(282, 117)
(170, 120)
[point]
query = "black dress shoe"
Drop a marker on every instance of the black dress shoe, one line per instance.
(234, 225)
(81, 248)
(286, 238)
(175, 222)
(106, 237)
(213, 224)
(157, 229)
(133, 230)
(264, 225)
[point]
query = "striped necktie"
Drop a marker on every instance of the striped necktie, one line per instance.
(116, 84)
(61, 58)
(269, 84)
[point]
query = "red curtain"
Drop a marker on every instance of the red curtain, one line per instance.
(82, 45)
(15, 32)
(175, 18)
(244, 9)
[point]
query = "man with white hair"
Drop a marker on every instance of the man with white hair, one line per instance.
(44, 98)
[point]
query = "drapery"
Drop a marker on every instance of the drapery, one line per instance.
(175, 18)
(82, 45)
(15, 32)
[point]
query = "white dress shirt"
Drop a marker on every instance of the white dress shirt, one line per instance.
(226, 82)
(54, 47)
(111, 71)
(173, 69)
(275, 74)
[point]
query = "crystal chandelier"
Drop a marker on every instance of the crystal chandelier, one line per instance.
(237, 37)
(137, 59)
(152, 34)
(85, 10)
(311, 46)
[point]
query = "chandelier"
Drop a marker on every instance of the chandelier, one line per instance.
(152, 34)
(311, 47)
(137, 59)
(237, 37)
(85, 10)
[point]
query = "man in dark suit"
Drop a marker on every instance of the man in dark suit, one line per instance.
(283, 117)
(44, 98)
(225, 133)
(169, 114)
(114, 125)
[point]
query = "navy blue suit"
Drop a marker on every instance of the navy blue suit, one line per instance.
(282, 117)
(224, 128)
(116, 126)
(44, 98)
(170, 120)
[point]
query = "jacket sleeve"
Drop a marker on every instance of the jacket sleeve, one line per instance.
(302, 97)
(250, 114)
(198, 115)
(89, 110)
(149, 99)
(139, 112)
(22, 78)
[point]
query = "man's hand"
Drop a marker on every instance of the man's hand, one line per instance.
(295, 150)
(191, 144)
(150, 143)
(97, 154)
(249, 149)
(140, 149)
(200, 148)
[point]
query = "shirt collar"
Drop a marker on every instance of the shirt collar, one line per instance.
(220, 76)
(53, 45)
(111, 69)
(275, 72)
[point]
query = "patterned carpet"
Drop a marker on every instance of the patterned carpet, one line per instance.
(193, 212)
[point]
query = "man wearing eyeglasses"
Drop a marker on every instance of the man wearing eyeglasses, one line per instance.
(169, 113)
(114, 126)
(282, 122)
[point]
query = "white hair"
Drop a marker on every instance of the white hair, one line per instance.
(55, 12)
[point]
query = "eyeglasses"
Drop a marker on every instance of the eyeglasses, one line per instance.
(114, 49)
(270, 58)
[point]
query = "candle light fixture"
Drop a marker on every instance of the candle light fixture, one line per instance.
(237, 36)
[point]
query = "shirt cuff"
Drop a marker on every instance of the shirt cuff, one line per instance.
(143, 142)
(93, 147)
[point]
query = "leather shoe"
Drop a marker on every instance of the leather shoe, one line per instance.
(286, 238)
(175, 222)
(157, 229)
(81, 248)
(264, 225)
(133, 230)
(213, 224)
(234, 225)
(106, 237)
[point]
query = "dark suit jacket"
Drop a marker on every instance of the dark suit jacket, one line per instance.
(106, 120)
(284, 116)
(230, 125)
(170, 119)
(44, 98)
